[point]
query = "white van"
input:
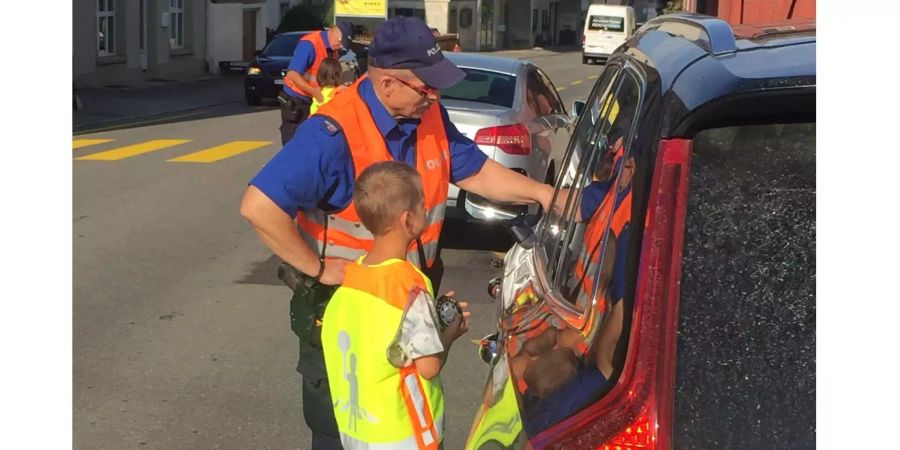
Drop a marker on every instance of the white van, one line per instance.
(606, 27)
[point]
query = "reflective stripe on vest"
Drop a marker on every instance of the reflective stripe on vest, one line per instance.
(320, 53)
(377, 405)
(346, 236)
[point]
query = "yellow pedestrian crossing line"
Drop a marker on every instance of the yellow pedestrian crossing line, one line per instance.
(78, 143)
(133, 150)
(561, 88)
(221, 152)
(576, 82)
(592, 77)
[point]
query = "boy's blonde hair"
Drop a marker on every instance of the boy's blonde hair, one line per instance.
(384, 191)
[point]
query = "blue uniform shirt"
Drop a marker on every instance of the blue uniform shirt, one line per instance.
(315, 165)
(303, 59)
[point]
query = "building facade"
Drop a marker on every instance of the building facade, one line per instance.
(121, 42)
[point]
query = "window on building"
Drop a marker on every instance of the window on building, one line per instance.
(409, 12)
(534, 20)
(283, 8)
(176, 23)
(106, 27)
(465, 18)
(452, 21)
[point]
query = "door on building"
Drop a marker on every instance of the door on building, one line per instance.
(506, 25)
(142, 34)
(249, 33)
(487, 24)
(553, 23)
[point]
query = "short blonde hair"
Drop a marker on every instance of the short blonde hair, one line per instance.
(384, 191)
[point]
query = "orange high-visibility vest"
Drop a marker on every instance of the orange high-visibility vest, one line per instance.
(321, 52)
(345, 236)
(586, 267)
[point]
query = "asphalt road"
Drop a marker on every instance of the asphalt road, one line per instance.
(180, 328)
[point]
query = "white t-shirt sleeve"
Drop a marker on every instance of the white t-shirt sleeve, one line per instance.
(418, 335)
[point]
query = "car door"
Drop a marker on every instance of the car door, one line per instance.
(565, 298)
(537, 107)
(558, 120)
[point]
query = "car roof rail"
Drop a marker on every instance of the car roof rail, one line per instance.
(718, 37)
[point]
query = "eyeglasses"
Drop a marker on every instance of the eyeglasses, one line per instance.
(423, 91)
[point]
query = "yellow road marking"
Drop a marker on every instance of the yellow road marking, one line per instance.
(561, 88)
(592, 77)
(221, 152)
(576, 82)
(78, 143)
(133, 150)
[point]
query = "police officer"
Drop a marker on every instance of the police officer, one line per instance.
(300, 86)
(393, 113)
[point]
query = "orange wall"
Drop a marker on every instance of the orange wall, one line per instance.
(761, 11)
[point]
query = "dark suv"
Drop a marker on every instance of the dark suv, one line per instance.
(668, 299)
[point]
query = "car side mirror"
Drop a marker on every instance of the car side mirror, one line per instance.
(487, 349)
(577, 108)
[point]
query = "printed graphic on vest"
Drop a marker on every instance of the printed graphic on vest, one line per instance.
(356, 411)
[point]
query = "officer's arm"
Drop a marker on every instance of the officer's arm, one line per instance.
(502, 185)
(472, 171)
(304, 55)
(277, 230)
(296, 178)
(300, 81)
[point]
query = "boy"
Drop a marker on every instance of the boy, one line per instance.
(380, 334)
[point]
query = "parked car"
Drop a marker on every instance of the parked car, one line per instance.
(265, 75)
(668, 300)
(511, 109)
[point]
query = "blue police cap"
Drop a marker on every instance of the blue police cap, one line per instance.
(408, 43)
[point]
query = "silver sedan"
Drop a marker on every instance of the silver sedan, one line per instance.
(511, 109)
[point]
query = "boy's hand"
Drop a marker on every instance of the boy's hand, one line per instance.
(459, 326)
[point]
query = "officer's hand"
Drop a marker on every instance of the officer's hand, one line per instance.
(318, 95)
(333, 274)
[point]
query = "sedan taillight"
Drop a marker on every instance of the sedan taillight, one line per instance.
(512, 139)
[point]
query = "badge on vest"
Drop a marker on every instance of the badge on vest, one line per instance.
(330, 127)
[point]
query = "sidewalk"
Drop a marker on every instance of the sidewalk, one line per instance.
(110, 106)
(534, 53)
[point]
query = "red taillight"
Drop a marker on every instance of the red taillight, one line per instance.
(582, 40)
(639, 435)
(512, 139)
(637, 412)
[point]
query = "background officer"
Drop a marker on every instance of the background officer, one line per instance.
(300, 85)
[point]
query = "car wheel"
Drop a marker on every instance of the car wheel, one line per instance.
(253, 99)
(585, 60)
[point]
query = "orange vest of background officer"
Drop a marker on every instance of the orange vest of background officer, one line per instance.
(322, 52)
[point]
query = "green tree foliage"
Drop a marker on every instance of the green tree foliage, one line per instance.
(306, 18)
(673, 6)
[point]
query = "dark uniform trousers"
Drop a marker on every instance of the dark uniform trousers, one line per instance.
(307, 309)
(294, 110)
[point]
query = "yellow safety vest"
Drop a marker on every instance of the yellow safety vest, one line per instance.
(378, 405)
